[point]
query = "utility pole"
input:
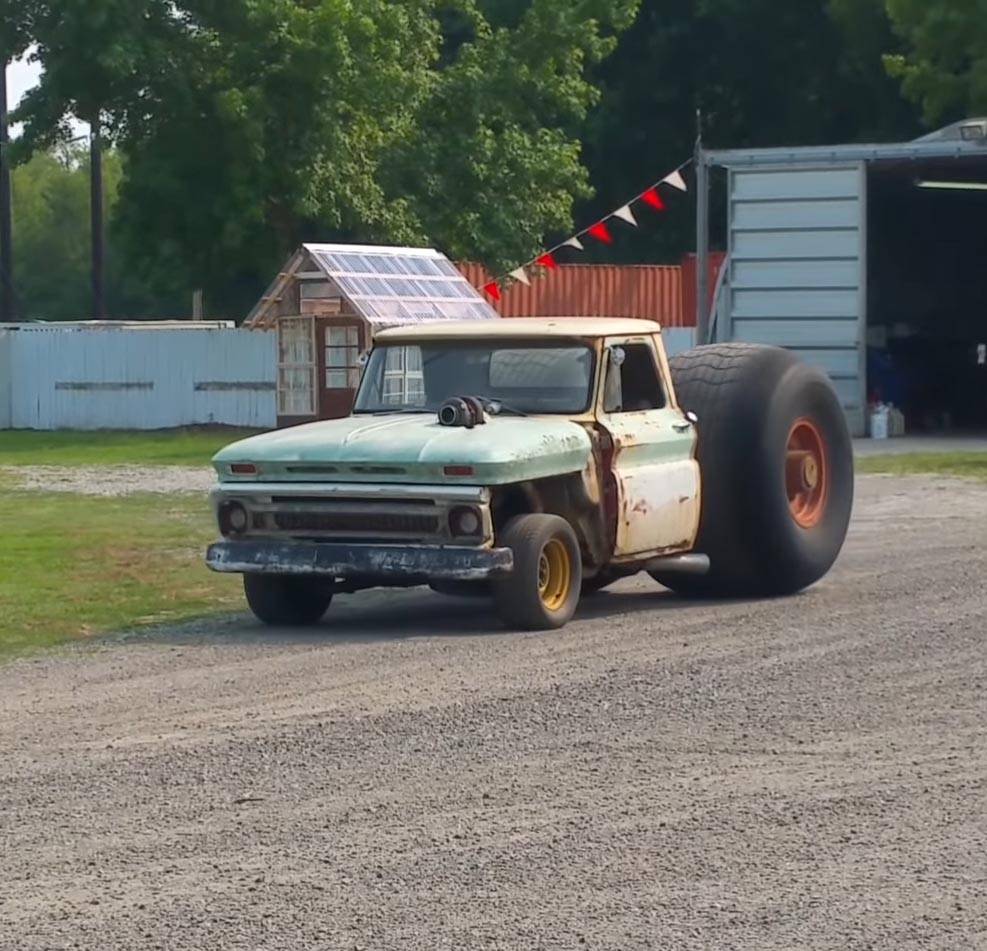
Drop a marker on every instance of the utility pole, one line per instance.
(8, 304)
(96, 217)
(702, 236)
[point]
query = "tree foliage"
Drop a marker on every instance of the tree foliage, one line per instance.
(484, 127)
(51, 232)
(763, 73)
(944, 68)
(250, 125)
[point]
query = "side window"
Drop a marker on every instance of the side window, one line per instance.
(633, 383)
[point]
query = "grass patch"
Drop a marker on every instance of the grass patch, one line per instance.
(187, 447)
(73, 566)
(969, 465)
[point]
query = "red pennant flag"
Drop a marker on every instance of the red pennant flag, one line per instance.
(547, 261)
(601, 232)
(652, 198)
(492, 290)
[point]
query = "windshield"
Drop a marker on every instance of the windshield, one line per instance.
(524, 378)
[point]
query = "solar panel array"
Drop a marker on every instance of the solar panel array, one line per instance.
(401, 285)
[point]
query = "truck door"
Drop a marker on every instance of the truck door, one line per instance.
(654, 466)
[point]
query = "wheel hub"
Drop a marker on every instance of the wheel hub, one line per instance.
(806, 473)
(554, 575)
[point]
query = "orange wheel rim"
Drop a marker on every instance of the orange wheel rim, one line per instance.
(806, 473)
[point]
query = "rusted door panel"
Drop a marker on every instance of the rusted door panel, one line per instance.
(657, 480)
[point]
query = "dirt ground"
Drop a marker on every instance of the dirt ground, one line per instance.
(801, 773)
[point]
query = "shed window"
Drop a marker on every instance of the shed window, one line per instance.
(296, 367)
(342, 358)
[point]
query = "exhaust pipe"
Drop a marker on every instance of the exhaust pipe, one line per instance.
(680, 565)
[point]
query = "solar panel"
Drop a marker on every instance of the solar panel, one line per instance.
(401, 285)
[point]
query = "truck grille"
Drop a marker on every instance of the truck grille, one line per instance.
(370, 523)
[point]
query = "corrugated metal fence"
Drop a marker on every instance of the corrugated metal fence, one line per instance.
(87, 378)
(647, 291)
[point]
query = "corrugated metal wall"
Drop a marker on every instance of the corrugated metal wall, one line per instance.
(652, 292)
(797, 274)
(140, 379)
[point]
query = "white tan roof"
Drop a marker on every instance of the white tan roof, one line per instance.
(523, 327)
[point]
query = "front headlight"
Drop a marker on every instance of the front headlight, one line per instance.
(233, 518)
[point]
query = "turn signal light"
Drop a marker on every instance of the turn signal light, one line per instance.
(243, 468)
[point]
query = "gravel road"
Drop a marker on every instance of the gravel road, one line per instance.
(802, 773)
(112, 481)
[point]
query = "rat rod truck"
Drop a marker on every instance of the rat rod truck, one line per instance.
(537, 460)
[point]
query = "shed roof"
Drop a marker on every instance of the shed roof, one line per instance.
(387, 286)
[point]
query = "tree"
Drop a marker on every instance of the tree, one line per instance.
(763, 73)
(247, 127)
(15, 34)
(496, 155)
(51, 203)
(944, 68)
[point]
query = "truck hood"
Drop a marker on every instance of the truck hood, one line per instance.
(411, 449)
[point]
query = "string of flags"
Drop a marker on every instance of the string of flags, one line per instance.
(599, 231)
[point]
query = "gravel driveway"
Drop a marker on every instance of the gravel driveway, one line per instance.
(800, 773)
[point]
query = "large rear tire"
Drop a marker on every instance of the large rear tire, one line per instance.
(284, 601)
(777, 470)
(542, 592)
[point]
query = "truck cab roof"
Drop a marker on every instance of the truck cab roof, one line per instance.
(520, 327)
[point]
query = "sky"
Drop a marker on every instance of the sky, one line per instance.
(21, 76)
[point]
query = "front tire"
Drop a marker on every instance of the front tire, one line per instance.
(542, 592)
(284, 601)
(777, 470)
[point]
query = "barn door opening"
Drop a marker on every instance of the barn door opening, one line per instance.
(927, 314)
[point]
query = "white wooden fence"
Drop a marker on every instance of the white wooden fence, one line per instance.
(80, 377)
(90, 377)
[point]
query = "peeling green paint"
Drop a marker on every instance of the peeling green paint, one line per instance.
(413, 449)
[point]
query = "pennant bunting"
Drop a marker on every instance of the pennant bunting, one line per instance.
(546, 261)
(676, 180)
(625, 214)
(653, 199)
(601, 232)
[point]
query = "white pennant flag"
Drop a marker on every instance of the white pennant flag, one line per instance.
(676, 180)
(573, 243)
(519, 275)
(625, 214)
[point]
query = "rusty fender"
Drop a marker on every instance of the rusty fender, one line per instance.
(398, 563)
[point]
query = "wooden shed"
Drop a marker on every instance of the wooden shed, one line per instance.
(329, 300)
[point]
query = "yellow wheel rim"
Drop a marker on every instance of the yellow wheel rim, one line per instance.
(554, 575)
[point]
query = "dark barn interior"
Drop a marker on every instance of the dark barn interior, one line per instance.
(927, 293)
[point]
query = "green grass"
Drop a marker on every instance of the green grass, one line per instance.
(971, 465)
(73, 566)
(189, 447)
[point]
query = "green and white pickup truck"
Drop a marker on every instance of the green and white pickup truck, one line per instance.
(537, 460)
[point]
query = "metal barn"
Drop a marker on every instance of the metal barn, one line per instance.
(328, 301)
(866, 259)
